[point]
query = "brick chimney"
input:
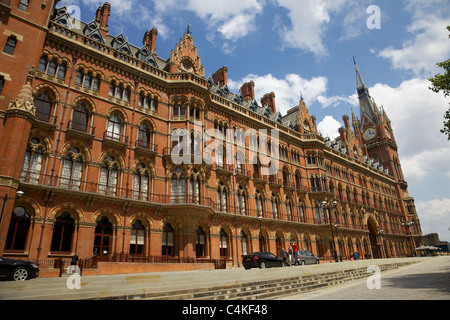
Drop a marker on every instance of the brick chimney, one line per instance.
(104, 18)
(150, 40)
(98, 15)
(346, 121)
(220, 76)
(269, 100)
(342, 134)
(248, 90)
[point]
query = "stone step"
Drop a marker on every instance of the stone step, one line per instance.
(268, 289)
(261, 290)
(207, 285)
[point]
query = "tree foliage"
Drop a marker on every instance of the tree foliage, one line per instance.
(441, 82)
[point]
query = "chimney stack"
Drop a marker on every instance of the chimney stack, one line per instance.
(346, 121)
(220, 77)
(248, 90)
(98, 15)
(150, 40)
(104, 17)
(342, 134)
(269, 100)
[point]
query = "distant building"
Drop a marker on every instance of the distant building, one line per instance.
(432, 239)
(89, 127)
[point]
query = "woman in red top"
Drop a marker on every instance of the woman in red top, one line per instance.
(295, 250)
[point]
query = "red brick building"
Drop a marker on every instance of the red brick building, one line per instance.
(89, 127)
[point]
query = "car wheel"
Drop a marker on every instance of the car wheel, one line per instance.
(317, 261)
(21, 274)
(283, 264)
(303, 262)
(262, 265)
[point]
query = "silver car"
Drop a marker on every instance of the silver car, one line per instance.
(306, 257)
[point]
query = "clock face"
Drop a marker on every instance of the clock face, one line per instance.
(369, 134)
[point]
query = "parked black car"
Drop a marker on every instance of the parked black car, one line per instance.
(306, 257)
(18, 270)
(262, 260)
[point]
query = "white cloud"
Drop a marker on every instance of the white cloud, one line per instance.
(227, 20)
(336, 100)
(308, 23)
(235, 27)
(287, 91)
(435, 217)
(429, 43)
(329, 126)
(416, 114)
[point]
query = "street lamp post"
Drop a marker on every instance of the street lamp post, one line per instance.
(326, 206)
(19, 195)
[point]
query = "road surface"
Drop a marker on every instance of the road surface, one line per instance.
(428, 280)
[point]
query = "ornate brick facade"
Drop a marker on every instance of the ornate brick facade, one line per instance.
(88, 133)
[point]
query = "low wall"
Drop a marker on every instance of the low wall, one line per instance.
(112, 268)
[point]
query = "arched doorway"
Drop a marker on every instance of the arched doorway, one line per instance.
(103, 238)
(373, 231)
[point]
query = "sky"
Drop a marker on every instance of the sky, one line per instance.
(304, 48)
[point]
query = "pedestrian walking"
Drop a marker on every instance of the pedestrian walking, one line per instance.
(284, 256)
(295, 251)
(290, 253)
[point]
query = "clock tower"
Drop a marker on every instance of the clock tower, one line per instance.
(374, 128)
(375, 133)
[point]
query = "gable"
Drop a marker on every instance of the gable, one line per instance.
(186, 58)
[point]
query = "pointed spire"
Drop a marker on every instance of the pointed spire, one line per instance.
(188, 30)
(360, 85)
(366, 104)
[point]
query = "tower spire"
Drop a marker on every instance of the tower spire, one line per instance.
(365, 101)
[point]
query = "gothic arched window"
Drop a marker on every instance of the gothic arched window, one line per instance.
(19, 226)
(137, 239)
(114, 127)
(178, 186)
(80, 117)
(141, 182)
(72, 170)
(194, 186)
(221, 197)
(109, 173)
(241, 201)
(32, 163)
(63, 234)
(223, 243)
(200, 242)
(168, 236)
(44, 105)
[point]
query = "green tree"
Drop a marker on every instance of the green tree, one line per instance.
(441, 82)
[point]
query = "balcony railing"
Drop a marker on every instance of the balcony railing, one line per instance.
(80, 127)
(115, 137)
(231, 206)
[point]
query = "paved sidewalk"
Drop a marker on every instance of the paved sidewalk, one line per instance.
(427, 280)
(117, 285)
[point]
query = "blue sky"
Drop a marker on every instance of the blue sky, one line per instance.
(293, 46)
